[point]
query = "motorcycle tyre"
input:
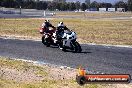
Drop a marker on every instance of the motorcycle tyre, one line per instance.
(43, 41)
(76, 47)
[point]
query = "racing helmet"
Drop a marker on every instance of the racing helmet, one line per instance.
(61, 24)
(47, 21)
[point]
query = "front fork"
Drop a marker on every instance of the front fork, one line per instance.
(72, 43)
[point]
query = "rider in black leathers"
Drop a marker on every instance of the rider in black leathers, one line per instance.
(60, 31)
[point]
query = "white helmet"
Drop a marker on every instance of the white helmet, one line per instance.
(60, 24)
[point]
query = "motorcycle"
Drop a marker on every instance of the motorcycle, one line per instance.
(48, 38)
(69, 42)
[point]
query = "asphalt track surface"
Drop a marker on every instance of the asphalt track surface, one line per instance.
(95, 58)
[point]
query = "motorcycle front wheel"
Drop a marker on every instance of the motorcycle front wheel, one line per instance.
(45, 41)
(76, 47)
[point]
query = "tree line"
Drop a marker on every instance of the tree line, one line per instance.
(62, 6)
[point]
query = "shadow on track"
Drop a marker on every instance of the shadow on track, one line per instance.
(84, 51)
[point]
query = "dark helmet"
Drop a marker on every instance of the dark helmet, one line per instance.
(47, 21)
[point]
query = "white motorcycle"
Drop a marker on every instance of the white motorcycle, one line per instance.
(69, 42)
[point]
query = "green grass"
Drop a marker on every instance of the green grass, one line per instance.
(100, 31)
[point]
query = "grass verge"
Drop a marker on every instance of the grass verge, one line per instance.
(20, 74)
(95, 14)
(33, 76)
(100, 31)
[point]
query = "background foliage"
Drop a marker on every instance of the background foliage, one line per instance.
(62, 5)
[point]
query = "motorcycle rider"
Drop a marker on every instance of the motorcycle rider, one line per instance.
(45, 31)
(46, 25)
(60, 31)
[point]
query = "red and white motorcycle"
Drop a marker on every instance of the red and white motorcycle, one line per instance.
(48, 38)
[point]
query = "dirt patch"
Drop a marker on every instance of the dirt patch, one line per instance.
(30, 72)
(61, 73)
(19, 76)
